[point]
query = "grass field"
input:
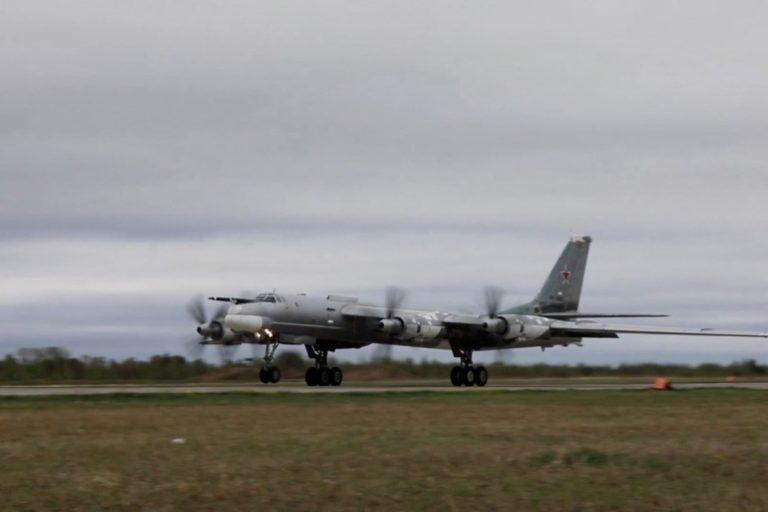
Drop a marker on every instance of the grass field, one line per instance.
(589, 450)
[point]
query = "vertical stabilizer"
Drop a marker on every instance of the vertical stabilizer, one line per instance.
(562, 289)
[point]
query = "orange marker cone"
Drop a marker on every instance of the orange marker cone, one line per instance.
(661, 384)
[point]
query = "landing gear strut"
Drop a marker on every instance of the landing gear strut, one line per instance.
(320, 374)
(467, 374)
(268, 373)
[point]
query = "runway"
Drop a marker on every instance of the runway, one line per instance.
(86, 390)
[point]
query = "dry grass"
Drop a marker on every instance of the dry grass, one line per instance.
(688, 450)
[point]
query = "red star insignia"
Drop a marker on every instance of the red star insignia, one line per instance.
(566, 275)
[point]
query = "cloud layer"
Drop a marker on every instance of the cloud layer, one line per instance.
(153, 150)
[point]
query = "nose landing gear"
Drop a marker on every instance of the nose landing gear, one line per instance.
(467, 374)
(268, 373)
(321, 374)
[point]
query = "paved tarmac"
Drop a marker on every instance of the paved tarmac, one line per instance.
(353, 388)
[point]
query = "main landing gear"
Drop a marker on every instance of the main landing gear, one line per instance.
(320, 374)
(467, 374)
(268, 373)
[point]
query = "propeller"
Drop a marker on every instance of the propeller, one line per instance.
(194, 348)
(382, 353)
(493, 298)
(503, 357)
(221, 312)
(227, 353)
(393, 299)
(206, 328)
(196, 309)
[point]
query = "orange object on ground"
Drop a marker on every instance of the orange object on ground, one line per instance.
(661, 383)
(730, 379)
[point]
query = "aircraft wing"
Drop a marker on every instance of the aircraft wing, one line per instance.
(568, 315)
(378, 312)
(360, 310)
(463, 321)
(598, 329)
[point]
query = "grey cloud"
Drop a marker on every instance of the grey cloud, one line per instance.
(154, 149)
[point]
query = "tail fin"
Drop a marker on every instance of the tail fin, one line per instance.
(562, 289)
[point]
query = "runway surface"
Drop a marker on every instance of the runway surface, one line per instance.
(294, 388)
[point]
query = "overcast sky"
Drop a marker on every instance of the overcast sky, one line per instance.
(153, 150)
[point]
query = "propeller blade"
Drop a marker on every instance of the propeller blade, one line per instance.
(493, 297)
(196, 310)
(221, 312)
(382, 353)
(394, 298)
(194, 349)
(226, 353)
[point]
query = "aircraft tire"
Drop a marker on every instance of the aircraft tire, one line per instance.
(468, 376)
(264, 376)
(336, 376)
(324, 377)
(310, 376)
(274, 374)
(456, 376)
(481, 376)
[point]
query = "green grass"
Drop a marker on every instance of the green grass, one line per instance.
(702, 450)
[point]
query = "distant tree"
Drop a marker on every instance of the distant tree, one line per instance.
(53, 364)
(290, 360)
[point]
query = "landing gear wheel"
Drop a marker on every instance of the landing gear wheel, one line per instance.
(481, 376)
(464, 374)
(336, 376)
(468, 376)
(323, 377)
(456, 375)
(311, 376)
(274, 374)
(264, 376)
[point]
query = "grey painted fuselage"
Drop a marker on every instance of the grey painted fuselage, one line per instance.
(305, 319)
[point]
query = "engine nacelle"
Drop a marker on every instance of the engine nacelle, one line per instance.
(392, 325)
(532, 331)
(423, 331)
(430, 332)
(523, 328)
(247, 323)
(230, 337)
(498, 325)
(410, 329)
(213, 330)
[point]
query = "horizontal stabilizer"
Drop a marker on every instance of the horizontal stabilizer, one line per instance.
(589, 329)
(574, 314)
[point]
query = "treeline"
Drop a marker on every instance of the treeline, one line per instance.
(52, 365)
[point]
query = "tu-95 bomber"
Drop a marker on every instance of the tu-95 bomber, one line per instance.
(324, 324)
